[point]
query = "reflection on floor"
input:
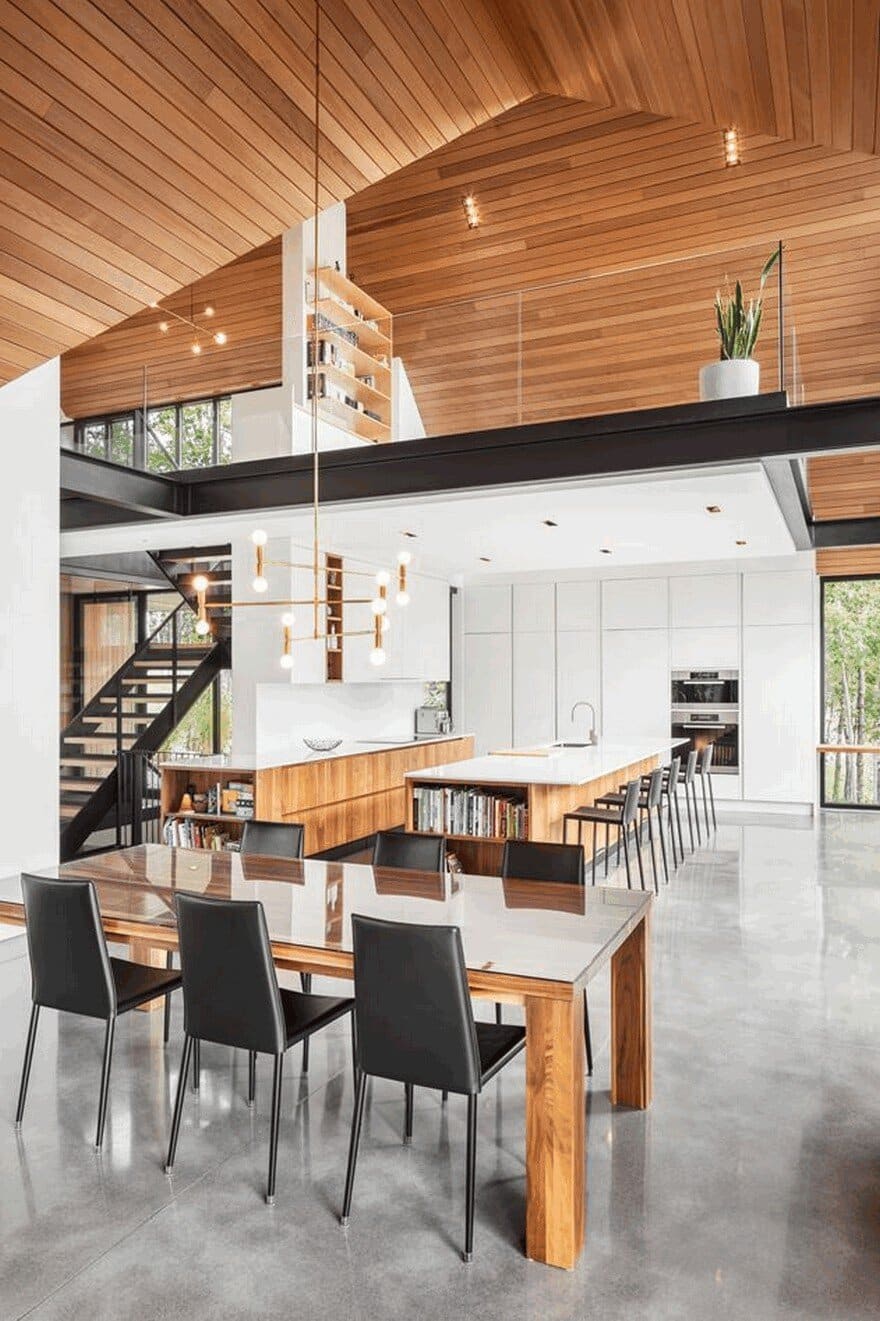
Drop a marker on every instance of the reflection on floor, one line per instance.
(749, 1190)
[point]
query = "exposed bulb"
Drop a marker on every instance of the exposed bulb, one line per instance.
(163, 326)
(200, 583)
(260, 584)
(402, 598)
(383, 578)
(377, 656)
(220, 337)
(259, 537)
(404, 557)
(209, 311)
(287, 619)
(378, 605)
(287, 661)
(202, 627)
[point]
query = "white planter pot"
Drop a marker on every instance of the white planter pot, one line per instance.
(731, 378)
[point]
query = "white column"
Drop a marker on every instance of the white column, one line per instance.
(29, 604)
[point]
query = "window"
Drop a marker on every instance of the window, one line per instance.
(195, 434)
(851, 691)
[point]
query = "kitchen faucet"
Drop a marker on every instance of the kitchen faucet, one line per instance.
(591, 736)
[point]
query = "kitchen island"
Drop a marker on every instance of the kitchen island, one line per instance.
(339, 796)
(521, 793)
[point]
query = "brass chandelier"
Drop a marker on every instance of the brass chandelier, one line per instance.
(377, 619)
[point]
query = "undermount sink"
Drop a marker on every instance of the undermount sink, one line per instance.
(574, 745)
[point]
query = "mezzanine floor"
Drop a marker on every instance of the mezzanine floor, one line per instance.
(749, 1190)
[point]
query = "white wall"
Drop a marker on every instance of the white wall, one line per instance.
(350, 711)
(29, 665)
(613, 639)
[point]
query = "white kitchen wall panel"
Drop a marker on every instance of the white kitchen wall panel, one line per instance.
(578, 678)
(487, 609)
(577, 606)
(534, 608)
(778, 597)
(708, 600)
(635, 682)
(488, 695)
(534, 689)
(704, 648)
(635, 603)
(779, 717)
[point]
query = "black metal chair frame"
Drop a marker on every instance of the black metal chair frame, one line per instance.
(705, 773)
(619, 814)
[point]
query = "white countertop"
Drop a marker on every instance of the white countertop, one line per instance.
(563, 766)
(347, 748)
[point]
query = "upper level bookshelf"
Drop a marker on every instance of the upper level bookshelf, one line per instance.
(349, 353)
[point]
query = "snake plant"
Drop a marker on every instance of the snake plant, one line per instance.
(738, 322)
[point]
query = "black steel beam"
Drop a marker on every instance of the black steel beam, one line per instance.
(846, 532)
(144, 494)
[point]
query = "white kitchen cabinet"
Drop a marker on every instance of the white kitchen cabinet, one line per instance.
(635, 683)
(488, 695)
(578, 679)
(417, 642)
(780, 597)
(635, 603)
(534, 689)
(487, 609)
(704, 601)
(534, 608)
(577, 606)
(704, 648)
(779, 713)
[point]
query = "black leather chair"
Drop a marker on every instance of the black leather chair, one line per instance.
(274, 839)
(533, 860)
(71, 970)
(415, 1025)
(409, 852)
(231, 996)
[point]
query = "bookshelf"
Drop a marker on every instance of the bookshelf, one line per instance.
(476, 819)
(198, 829)
(335, 619)
(349, 353)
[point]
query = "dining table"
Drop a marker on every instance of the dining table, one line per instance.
(533, 944)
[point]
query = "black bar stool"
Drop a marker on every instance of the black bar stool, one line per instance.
(669, 792)
(534, 860)
(620, 815)
(71, 970)
(706, 778)
(649, 803)
(688, 779)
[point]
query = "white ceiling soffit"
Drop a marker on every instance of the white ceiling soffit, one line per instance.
(646, 520)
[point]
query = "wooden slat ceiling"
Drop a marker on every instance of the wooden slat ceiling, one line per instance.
(147, 142)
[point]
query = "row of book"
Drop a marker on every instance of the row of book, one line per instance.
(233, 799)
(184, 833)
(461, 811)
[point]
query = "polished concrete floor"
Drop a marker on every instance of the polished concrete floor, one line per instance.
(751, 1189)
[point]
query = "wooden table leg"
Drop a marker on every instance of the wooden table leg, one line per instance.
(154, 957)
(555, 1169)
(632, 1064)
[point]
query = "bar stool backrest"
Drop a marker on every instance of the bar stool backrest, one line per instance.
(274, 839)
(706, 761)
(631, 802)
(673, 770)
(70, 966)
(413, 1010)
(230, 989)
(409, 852)
(690, 769)
(534, 860)
(655, 787)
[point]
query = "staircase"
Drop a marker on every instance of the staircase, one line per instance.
(141, 704)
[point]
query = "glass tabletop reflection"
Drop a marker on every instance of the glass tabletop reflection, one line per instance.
(516, 928)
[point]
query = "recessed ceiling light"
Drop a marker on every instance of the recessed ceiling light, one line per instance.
(486, 559)
(742, 542)
(209, 311)
(713, 509)
(603, 550)
(414, 535)
(548, 522)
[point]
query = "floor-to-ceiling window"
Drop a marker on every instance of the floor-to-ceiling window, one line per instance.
(851, 692)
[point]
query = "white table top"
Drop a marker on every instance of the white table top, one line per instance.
(565, 766)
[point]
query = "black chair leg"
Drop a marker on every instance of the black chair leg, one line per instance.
(687, 803)
(178, 1102)
(706, 806)
(275, 1126)
(671, 826)
(712, 801)
(653, 852)
(197, 1064)
(696, 813)
(409, 1091)
(105, 1082)
(594, 852)
(629, 882)
(354, 1143)
(471, 1178)
(28, 1060)
(607, 845)
(678, 823)
(354, 1043)
(588, 1038)
(305, 979)
(252, 1077)
(662, 834)
(166, 1031)
(639, 858)
(498, 1018)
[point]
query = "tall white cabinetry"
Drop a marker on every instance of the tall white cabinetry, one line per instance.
(534, 663)
(487, 706)
(578, 665)
(635, 656)
(780, 695)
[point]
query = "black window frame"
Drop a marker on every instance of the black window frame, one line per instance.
(143, 433)
(824, 801)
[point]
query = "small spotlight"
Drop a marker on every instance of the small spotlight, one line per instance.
(713, 509)
(471, 211)
(209, 311)
(154, 304)
(603, 550)
(413, 535)
(485, 559)
(220, 337)
(163, 326)
(741, 542)
(730, 138)
(196, 348)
